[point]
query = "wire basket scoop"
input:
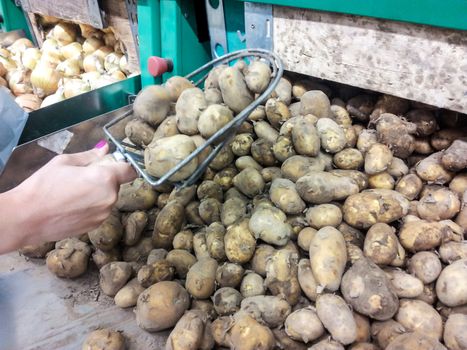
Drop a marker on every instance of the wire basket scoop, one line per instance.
(133, 154)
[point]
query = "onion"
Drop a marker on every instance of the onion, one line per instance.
(19, 81)
(71, 50)
(44, 80)
(90, 76)
(20, 45)
(102, 81)
(87, 31)
(112, 62)
(123, 64)
(48, 60)
(64, 33)
(69, 68)
(103, 51)
(93, 63)
(51, 49)
(92, 44)
(109, 39)
(52, 99)
(30, 57)
(118, 74)
(74, 87)
(7, 63)
(29, 102)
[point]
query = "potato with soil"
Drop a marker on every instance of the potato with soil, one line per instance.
(134, 227)
(268, 309)
(139, 132)
(415, 341)
(249, 181)
(226, 301)
(241, 144)
(360, 107)
(328, 257)
(348, 159)
(306, 279)
(104, 339)
(167, 128)
(331, 134)
(283, 341)
(247, 333)
(234, 90)
(138, 252)
(199, 244)
(189, 107)
(451, 288)
(269, 225)
(380, 244)
(264, 130)
(304, 325)
(189, 331)
(396, 134)
(157, 271)
(424, 120)
(69, 259)
(315, 102)
(108, 234)
(425, 266)
(252, 285)
(418, 316)
(201, 278)
(452, 251)
(443, 138)
(368, 290)
(323, 215)
(37, 251)
(454, 332)
(257, 76)
(295, 167)
(305, 236)
(102, 258)
(277, 112)
(113, 276)
(176, 85)
(438, 205)
(213, 118)
(168, 224)
(136, 195)
(181, 260)
(283, 148)
(305, 137)
(431, 170)
(410, 186)
(233, 210)
(152, 104)
(283, 91)
(285, 196)
(229, 275)
(215, 241)
(160, 306)
(372, 206)
(261, 151)
(404, 284)
(128, 295)
(377, 159)
(384, 332)
(337, 318)
(183, 195)
(381, 181)
(260, 258)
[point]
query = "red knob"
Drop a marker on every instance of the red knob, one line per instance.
(158, 65)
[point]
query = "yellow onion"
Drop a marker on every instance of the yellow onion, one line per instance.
(93, 63)
(54, 98)
(29, 102)
(92, 44)
(118, 74)
(3, 82)
(109, 39)
(71, 50)
(7, 63)
(19, 81)
(51, 50)
(74, 87)
(64, 33)
(90, 76)
(103, 80)
(69, 68)
(48, 20)
(20, 45)
(123, 64)
(112, 62)
(87, 31)
(44, 80)
(30, 57)
(103, 51)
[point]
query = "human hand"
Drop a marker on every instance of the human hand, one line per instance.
(70, 195)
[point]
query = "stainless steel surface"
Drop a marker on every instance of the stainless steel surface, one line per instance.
(220, 138)
(258, 25)
(8, 38)
(216, 24)
(29, 157)
(132, 10)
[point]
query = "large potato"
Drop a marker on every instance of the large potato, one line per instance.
(377, 159)
(410, 186)
(168, 224)
(418, 316)
(152, 104)
(305, 137)
(425, 266)
(269, 225)
(69, 259)
(324, 215)
(438, 205)
(331, 134)
(189, 107)
(380, 244)
(213, 118)
(201, 278)
(304, 325)
(315, 102)
(454, 332)
(247, 333)
(257, 76)
(328, 256)
(136, 195)
(239, 242)
(234, 90)
(176, 85)
(396, 134)
(451, 288)
(431, 170)
(285, 196)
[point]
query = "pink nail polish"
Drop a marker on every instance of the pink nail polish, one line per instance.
(100, 144)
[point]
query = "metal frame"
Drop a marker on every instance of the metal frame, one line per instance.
(224, 134)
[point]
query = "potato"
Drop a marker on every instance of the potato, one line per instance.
(127, 296)
(415, 340)
(188, 332)
(277, 112)
(425, 266)
(315, 102)
(351, 235)
(283, 91)
(229, 275)
(156, 255)
(104, 339)
(422, 145)
(234, 90)
(431, 170)
(360, 107)
(327, 344)
(271, 173)
(304, 325)
(283, 341)
(424, 120)
(418, 316)
(167, 128)
(366, 139)
(454, 158)
(337, 318)
(305, 236)
(257, 76)
(249, 181)
(164, 154)
(215, 241)
(220, 328)
(368, 290)
(37, 250)
(363, 327)
(328, 257)
(168, 224)
(349, 158)
(438, 205)
(247, 333)
(241, 144)
(443, 138)
(113, 276)
(189, 107)
(136, 195)
(380, 244)
(162, 200)
(428, 295)
(201, 278)
(264, 130)
(192, 215)
(176, 85)
(306, 279)
(363, 346)
(213, 96)
(152, 104)
(213, 118)
(340, 115)
(183, 195)
(239, 242)
(382, 181)
(209, 189)
(244, 162)
(396, 134)
(283, 148)
(451, 288)
(139, 252)
(389, 104)
(452, 251)
(181, 260)
(324, 215)
(410, 186)
(261, 255)
(285, 196)
(226, 301)
(459, 184)
(268, 309)
(296, 167)
(281, 275)
(225, 177)
(210, 210)
(69, 259)
(212, 80)
(305, 137)
(359, 177)
(199, 244)
(139, 132)
(160, 270)
(319, 187)
(302, 86)
(384, 332)
(108, 234)
(454, 332)
(268, 224)
(372, 206)
(252, 284)
(134, 226)
(183, 240)
(377, 159)
(233, 210)
(397, 168)
(405, 285)
(332, 135)
(261, 150)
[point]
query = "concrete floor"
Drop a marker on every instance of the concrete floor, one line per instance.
(41, 311)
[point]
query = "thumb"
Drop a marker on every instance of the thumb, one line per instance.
(123, 171)
(87, 157)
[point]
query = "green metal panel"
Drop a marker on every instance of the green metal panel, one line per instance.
(234, 14)
(13, 17)
(448, 13)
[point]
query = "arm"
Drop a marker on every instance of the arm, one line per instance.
(69, 196)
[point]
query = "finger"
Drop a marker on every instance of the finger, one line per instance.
(87, 157)
(124, 172)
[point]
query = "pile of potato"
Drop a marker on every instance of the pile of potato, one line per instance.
(73, 59)
(333, 219)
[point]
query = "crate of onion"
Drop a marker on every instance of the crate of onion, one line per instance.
(72, 59)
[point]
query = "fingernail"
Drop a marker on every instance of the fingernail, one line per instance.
(100, 144)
